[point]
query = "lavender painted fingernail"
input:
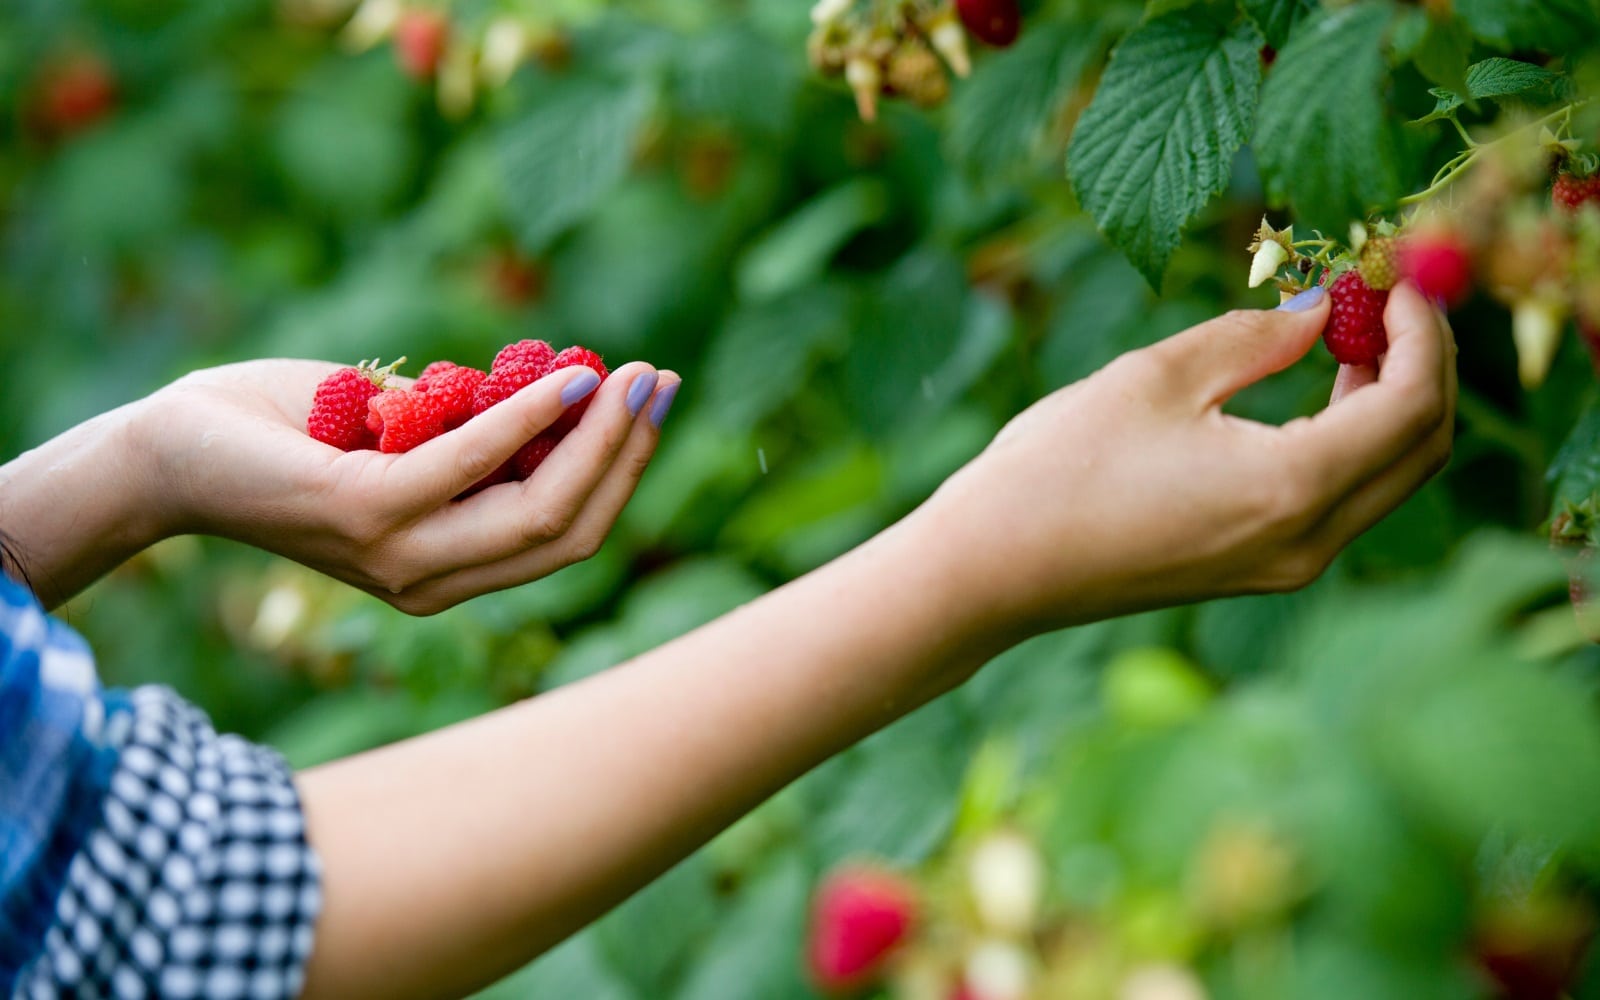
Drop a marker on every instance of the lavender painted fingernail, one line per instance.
(663, 403)
(640, 390)
(581, 385)
(1308, 299)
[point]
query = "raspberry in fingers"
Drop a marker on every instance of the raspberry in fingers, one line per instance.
(1371, 430)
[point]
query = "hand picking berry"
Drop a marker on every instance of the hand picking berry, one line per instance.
(339, 406)
(1355, 333)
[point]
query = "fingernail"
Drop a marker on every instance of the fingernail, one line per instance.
(663, 403)
(640, 390)
(581, 385)
(1308, 299)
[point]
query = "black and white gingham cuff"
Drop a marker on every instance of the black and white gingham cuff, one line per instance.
(198, 882)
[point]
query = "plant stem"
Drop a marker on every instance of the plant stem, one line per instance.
(1462, 161)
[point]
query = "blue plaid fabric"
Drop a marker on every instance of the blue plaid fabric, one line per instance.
(142, 854)
(56, 763)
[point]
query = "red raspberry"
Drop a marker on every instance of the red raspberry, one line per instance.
(339, 408)
(1439, 264)
(502, 383)
(858, 917)
(1355, 334)
(403, 419)
(1571, 192)
(532, 455)
(420, 38)
(75, 94)
(453, 390)
(996, 22)
(434, 368)
(524, 352)
(567, 359)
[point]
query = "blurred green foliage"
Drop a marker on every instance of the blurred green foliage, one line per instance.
(855, 310)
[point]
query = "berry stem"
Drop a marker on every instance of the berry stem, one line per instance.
(1463, 161)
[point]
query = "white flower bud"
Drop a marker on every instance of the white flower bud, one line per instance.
(1161, 982)
(1266, 262)
(998, 970)
(950, 40)
(1006, 878)
(828, 11)
(865, 81)
(372, 22)
(504, 45)
(1536, 324)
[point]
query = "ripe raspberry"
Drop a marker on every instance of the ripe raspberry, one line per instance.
(996, 22)
(453, 390)
(1355, 333)
(75, 94)
(1439, 264)
(858, 917)
(524, 352)
(566, 359)
(403, 419)
(419, 41)
(339, 408)
(1378, 267)
(434, 368)
(531, 455)
(503, 382)
(1571, 192)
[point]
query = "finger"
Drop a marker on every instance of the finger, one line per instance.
(1351, 378)
(514, 517)
(1221, 356)
(1371, 430)
(1378, 497)
(437, 470)
(581, 541)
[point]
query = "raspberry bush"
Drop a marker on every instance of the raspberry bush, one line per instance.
(867, 232)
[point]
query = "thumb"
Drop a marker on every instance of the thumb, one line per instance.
(1223, 355)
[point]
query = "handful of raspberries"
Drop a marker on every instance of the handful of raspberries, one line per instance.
(354, 410)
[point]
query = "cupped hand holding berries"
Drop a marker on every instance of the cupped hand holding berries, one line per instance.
(230, 452)
(1133, 489)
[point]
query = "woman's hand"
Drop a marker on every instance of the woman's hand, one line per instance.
(1132, 489)
(232, 457)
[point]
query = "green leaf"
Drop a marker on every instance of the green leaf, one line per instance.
(796, 251)
(1158, 140)
(1000, 119)
(567, 153)
(760, 359)
(574, 968)
(1544, 25)
(1505, 744)
(1574, 475)
(1440, 51)
(754, 952)
(1323, 143)
(1498, 78)
(1275, 18)
(649, 938)
(909, 330)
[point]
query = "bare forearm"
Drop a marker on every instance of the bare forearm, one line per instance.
(456, 857)
(76, 505)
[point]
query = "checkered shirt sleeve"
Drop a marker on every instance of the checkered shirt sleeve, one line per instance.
(194, 878)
